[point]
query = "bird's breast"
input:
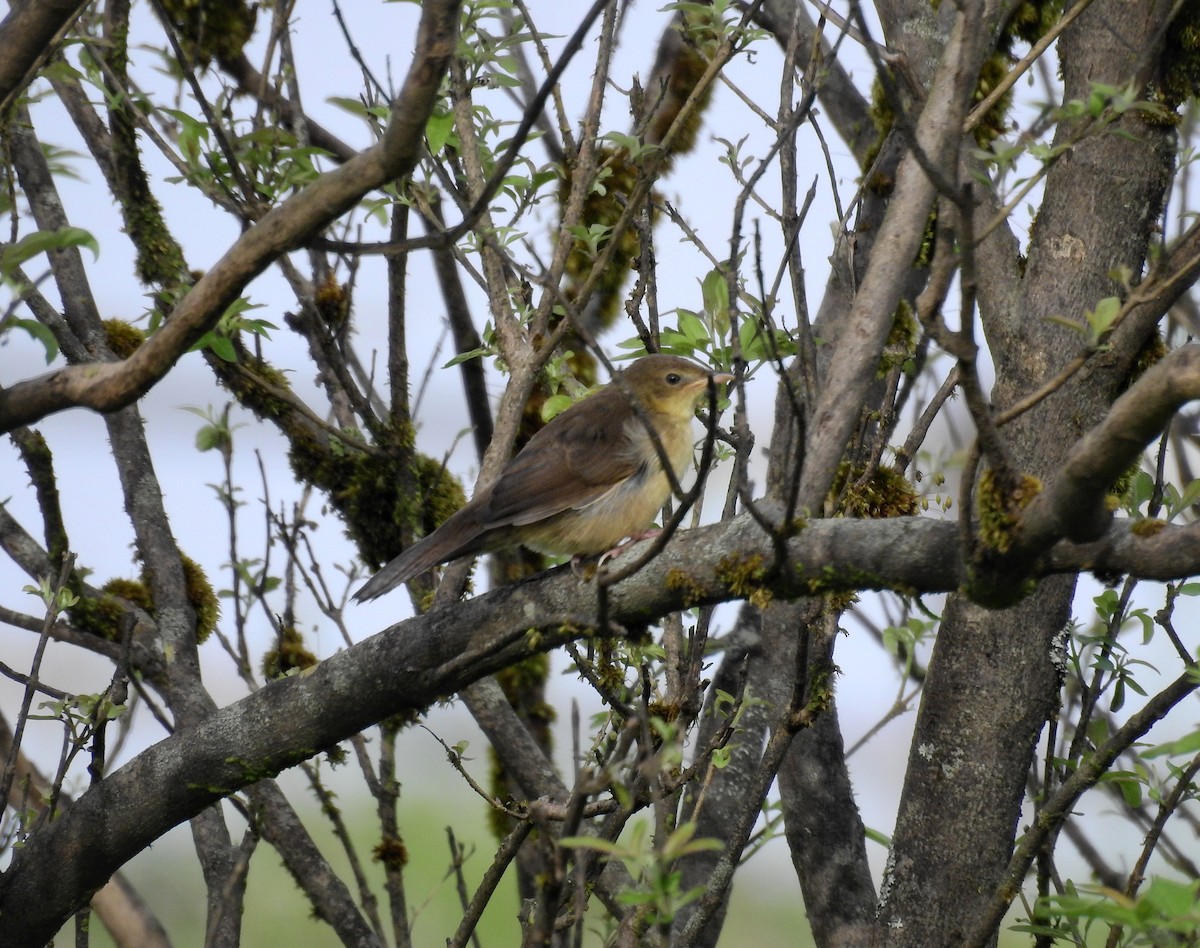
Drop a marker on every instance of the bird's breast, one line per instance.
(627, 508)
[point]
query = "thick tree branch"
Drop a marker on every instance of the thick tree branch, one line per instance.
(1073, 504)
(118, 905)
(411, 665)
(852, 370)
(1058, 808)
(113, 385)
(27, 37)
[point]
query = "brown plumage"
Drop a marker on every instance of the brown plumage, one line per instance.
(587, 480)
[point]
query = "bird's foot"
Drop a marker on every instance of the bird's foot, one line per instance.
(583, 571)
(632, 539)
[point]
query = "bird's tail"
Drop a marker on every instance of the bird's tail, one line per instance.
(458, 536)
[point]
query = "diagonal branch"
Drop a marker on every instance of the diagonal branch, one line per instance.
(1072, 505)
(113, 385)
(27, 38)
(411, 665)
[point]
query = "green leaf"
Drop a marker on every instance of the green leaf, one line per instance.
(42, 241)
(222, 346)
(41, 334)
(555, 405)
(877, 837)
(693, 328)
(191, 134)
(591, 842)
(631, 145)
(714, 289)
(1190, 495)
(682, 842)
(1172, 899)
(438, 131)
(1185, 745)
(209, 437)
(468, 356)
(1128, 783)
(1100, 319)
(1068, 323)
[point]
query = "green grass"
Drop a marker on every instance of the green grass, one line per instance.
(766, 908)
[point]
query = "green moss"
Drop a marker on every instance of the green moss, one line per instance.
(743, 577)
(498, 822)
(820, 689)
(819, 697)
(384, 497)
(526, 676)
(1000, 507)
(928, 244)
(251, 772)
(101, 615)
(39, 462)
(1179, 77)
(687, 67)
(122, 338)
(1028, 23)
(681, 582)
(885, 493)
(202, 597)
(257, 385)
(1122, 486)
(987, 592)
(392, 852)
(288, 654)
(1152, 351)
(993, 71)
(906, 330)
(901, 343)
(332, 302)
(603, 207)
(212, 29)
(159, 258)
(378, 494)
(132, 590)
(374, 506)
(1033, 19)
(337, 756)
(665, 711)
(882, 118)
(840, 586)
(1147, 527)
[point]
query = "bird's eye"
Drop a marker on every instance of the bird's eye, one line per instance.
(674, 378)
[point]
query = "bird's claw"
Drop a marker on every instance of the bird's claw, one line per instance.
(632, 539)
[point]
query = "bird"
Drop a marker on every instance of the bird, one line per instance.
(590, 478)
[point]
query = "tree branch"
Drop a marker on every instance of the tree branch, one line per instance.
(27, 37)
(114, 385)
(409, 666)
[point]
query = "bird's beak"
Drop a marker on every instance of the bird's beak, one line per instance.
(717, 378)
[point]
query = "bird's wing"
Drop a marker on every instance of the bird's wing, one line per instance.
(572, 462)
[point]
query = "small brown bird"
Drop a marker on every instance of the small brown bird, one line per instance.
(587, 480)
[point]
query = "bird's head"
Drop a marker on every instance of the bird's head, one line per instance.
(670, 385)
